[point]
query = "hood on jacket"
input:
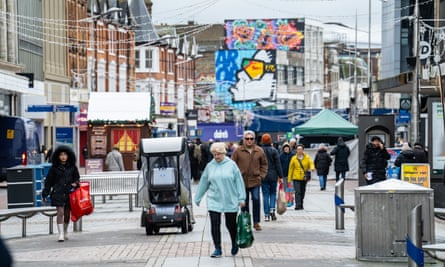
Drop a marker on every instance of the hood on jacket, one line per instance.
(71, 156)
(340, 142)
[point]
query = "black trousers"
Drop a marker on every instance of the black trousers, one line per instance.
(215, 226)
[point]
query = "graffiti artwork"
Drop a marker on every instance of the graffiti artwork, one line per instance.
(277, 34)
(245, 78)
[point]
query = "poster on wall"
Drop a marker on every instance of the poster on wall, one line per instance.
(64, 136)
(279, 34)
(437, 147)
(418, 174)
(245, 78)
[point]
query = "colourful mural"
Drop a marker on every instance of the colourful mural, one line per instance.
(245, 78)
(279, 34)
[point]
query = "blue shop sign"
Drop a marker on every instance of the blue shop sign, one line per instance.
(224, 132)
(403, 117)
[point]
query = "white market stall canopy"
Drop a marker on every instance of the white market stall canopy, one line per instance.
(127, 106)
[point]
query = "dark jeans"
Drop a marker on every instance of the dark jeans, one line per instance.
(255, 191)
(215, 226)
(338, 174)
(300, 191)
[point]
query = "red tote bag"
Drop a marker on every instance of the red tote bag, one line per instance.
(80, 201)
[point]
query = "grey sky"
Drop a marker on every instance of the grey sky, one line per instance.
(215, 11)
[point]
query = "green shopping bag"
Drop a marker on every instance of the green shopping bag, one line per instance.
(244, 234)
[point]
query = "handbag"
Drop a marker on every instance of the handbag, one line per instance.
(80, 201)
(307, 174)
(244, 234)
(281, 200)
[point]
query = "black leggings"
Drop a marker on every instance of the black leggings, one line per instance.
(215, 226)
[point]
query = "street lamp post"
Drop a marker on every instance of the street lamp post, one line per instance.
(369, 63)
(415, 92)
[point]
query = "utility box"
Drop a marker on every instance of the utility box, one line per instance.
(381, 213)
(25, 185)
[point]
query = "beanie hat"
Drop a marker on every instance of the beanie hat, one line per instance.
(266, 139)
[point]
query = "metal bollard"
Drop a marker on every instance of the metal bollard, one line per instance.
(414, 238)
(77, 226)
(339, 212)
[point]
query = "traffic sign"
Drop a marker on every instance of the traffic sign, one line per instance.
(66, 108)
(41, 108)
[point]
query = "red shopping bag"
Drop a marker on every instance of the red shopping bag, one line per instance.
(80, 201)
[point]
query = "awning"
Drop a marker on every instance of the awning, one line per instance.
(403, 84)
(128, 106)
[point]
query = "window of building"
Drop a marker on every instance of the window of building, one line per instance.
(101, 76)
(300, 76)
(170, 62)
(112, 77)
(290, 75)
(148, 58)
(123, 78)
(111, 42)
(137, 59)
(281, 74)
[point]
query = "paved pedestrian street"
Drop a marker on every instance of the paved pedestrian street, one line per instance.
(112, 236)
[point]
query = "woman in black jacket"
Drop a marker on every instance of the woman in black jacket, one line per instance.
(322, 163)
(63, 177)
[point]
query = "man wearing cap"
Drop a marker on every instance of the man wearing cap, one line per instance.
(252, 163)
(375, 161)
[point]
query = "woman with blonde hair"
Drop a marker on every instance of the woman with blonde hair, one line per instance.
(223, 183)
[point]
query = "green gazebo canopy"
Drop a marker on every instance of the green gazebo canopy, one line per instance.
(326, 122)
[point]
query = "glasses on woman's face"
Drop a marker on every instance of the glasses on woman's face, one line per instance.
(248, 138)
(215, 154)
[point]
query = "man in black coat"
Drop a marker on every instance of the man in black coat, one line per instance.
(375, 161)
(341, 164)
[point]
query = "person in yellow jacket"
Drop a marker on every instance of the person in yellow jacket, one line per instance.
(299, 163)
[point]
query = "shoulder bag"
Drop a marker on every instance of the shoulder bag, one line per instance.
(307, 174)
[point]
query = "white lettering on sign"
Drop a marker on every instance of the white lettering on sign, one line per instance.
(425, 49)
(221, 134)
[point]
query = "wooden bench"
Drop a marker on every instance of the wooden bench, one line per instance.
(112, 183)
(25, 213)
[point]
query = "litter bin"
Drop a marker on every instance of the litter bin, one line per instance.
(382, 211)
(24, 186)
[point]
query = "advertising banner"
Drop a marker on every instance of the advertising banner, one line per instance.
(221, 132)
(279, 34)
(416, 173)
(64, 136)
(245, 78)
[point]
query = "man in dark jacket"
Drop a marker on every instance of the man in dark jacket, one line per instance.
(341, 153)
(274, 173)
(375, 161)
